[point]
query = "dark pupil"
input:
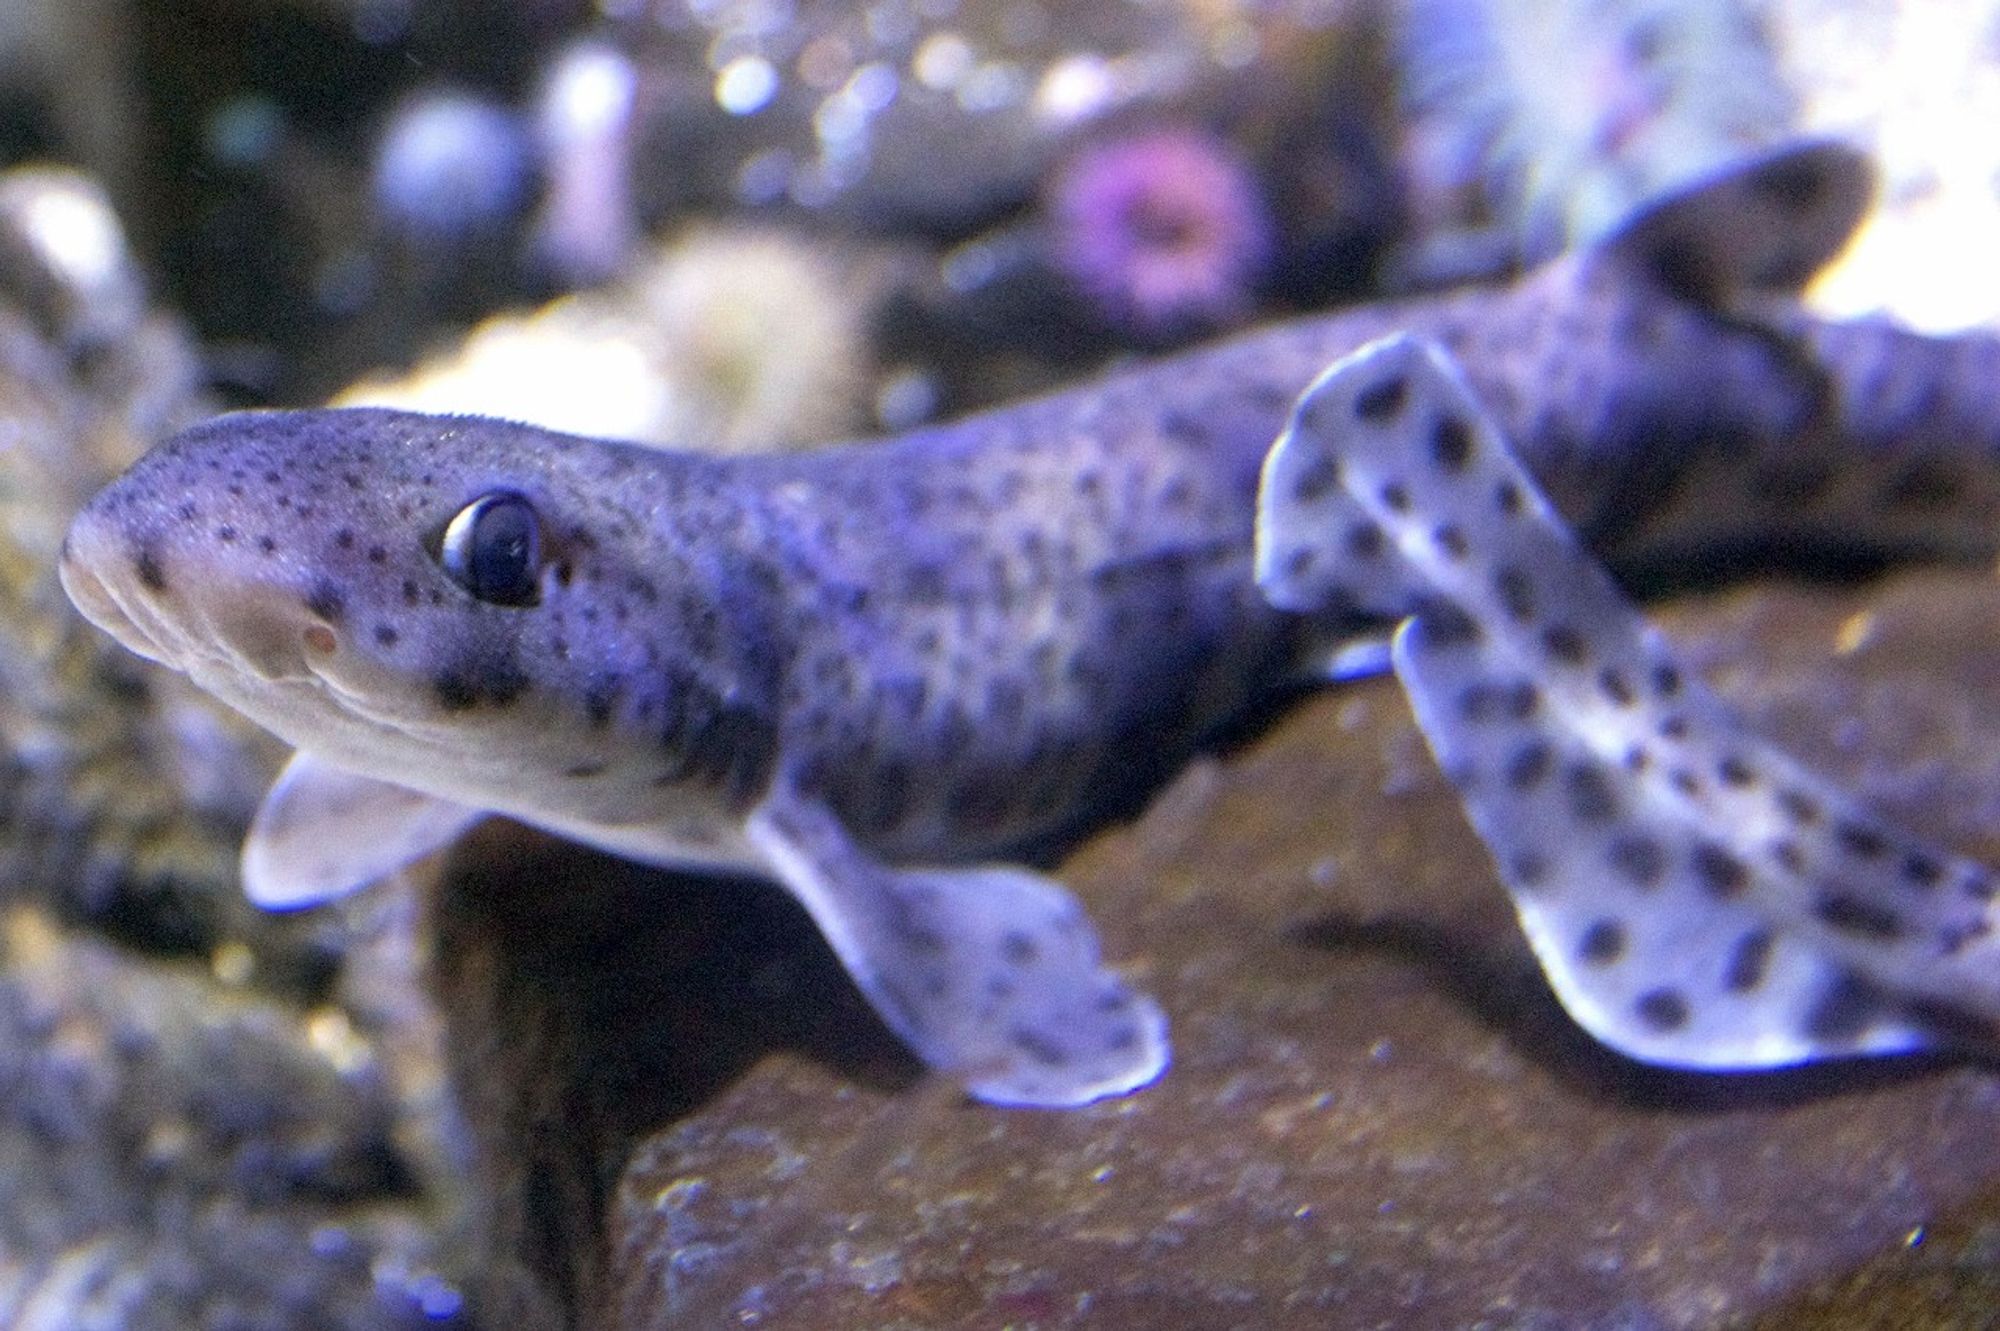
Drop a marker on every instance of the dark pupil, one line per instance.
(502, 555)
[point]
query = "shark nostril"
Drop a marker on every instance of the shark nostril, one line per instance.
(320, 640)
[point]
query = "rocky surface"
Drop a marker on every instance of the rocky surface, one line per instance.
(1378, 1116)
(209, 1118)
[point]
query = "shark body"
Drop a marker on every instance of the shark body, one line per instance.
(876, 670)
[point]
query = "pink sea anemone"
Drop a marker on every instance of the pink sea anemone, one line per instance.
(1163, 230)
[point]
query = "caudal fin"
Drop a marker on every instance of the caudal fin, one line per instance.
(1696, 897)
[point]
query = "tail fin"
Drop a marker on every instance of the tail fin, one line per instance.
(1766, 225)
(1696, 897)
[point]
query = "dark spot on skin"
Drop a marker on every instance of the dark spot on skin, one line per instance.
(1396, 498)
(1484, 701)
(1674, 728)
(1637, 759)
(1035, 1046)
(1721, 873)
(1300, 562)
(267, 545)
(226, 534)
(1602, 943)
(1798, 806)
(1956, 937)
(1565, 644)
(1527, 868)
(1019, 949)
(1508, 499)
(1839, 908)
(1684, 781)
(1445, 623)
(1749, 961)
(454, 691)
(1529, 765)
(1589, 793)
(1184, 428)
(1662, 1010)
(1611, 682)
(1317, 481)
(496, 681)
(1517, 592)
(1843, 1012)
(925, 584)
(326, 601)
(1364, 540)
(146, 564)
(1640, 859)
(1921, 870)
(1666, 682)
(1451, 444)
(1979, 885)
(1789, 857)
(378, 554)
(1378, 402)
(386, 635)
(1451, 540)
(1864, 843)
(344, 539)
(1734, 771)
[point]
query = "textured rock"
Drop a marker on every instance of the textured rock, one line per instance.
(205, 1121)
(1378, 1115)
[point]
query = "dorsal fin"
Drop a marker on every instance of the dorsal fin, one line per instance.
(1768, 224)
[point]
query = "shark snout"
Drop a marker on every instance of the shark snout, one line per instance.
(90, 552)
(162, 593)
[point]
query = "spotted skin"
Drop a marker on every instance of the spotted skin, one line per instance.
(1696, 897)
(866, 670)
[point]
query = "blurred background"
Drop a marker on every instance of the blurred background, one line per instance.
(804, 218)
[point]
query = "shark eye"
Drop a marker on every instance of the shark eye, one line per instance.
(493, 549)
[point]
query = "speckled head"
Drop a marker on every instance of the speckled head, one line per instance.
(482, 610)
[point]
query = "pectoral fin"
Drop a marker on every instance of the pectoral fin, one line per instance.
(989, 973)
(323, 832)
(1695, 896)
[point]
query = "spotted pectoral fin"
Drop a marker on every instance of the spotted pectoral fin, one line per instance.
(1696, 897)
(323, 832)
(989, 973)
(1766, 224)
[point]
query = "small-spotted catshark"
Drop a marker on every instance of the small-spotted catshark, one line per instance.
(872, 671)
